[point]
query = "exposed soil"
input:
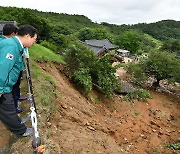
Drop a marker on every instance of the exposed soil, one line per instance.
(98, 125)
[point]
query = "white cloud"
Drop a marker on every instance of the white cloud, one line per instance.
(111, 11)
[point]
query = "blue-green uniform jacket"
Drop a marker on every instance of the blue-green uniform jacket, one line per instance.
(11, 63)
(2, 37)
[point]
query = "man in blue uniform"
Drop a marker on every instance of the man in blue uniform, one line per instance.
(8, 31)
(11, 64)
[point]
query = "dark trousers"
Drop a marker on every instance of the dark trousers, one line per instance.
(16, 90)
(9, 116)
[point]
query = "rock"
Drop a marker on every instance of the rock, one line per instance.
(64, 106)
(143, 136)
(154, 123)
(49, 124)
(178, 140)
(161, 132)
(91, 128)
(168, 132)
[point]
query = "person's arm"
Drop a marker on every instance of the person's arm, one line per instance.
(7, 61)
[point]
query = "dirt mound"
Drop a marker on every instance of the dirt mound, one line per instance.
(101, 126)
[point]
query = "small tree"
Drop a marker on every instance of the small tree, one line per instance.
(78, 56)
(93, 33)
(129, 40)
(103, 75)
(85, 34)
(160, 65)
(83, 79)
(86, 70)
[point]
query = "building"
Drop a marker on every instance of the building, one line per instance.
(124, 53)
(99, 47)
(121, 55)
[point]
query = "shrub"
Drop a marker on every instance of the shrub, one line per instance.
(137, 72)
(86, 69)
(83, 80)
(175, 146)
(138, 94)
(77, 56)
(103, 75)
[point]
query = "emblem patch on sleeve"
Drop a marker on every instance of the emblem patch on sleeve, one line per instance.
(9, 56)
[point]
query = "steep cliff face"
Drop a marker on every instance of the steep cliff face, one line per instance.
(77, 125)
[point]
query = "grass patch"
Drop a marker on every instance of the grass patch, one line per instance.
(43, 85)
(42, 54)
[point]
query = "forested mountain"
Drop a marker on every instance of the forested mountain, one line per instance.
(162, 30)
(68, 24)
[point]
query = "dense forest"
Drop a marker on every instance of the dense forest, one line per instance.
(61, 33)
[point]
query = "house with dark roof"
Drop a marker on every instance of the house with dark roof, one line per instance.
(99, 47)
(2, 23)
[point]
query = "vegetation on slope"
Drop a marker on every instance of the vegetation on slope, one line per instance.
(44, 86)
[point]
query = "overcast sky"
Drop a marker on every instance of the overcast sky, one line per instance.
(110, 11)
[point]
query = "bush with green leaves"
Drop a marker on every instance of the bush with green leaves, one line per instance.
(162, 65)
(103, 74)
(171, 45)
(138, 94)
(86, 69)
(137, 72)
(83, 80)
(78, 56)
(174, 146)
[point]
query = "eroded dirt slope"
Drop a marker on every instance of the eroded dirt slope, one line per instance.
(101, 126)
(111, 126)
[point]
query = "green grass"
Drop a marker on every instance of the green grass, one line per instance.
(43, 85)
(42, 54)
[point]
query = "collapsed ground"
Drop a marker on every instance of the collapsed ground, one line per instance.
(98, 125)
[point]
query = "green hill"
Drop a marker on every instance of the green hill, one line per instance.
(68, 24)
